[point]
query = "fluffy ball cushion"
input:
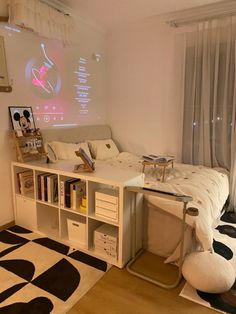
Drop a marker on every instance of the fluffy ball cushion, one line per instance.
(103, 149)
(208, 272)
(66, 151)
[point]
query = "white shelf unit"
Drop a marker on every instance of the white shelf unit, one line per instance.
(50, 219)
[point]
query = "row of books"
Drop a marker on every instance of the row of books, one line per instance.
(72, 191)
(48, 187)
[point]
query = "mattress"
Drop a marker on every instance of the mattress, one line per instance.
(208, 187)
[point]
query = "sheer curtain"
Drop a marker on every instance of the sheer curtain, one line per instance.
(41, 18)
(209, 136)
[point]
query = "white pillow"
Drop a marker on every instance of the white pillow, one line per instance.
(103, 149)
(208, 272)
(66, 151)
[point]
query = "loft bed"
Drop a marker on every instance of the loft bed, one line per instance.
(163, 224)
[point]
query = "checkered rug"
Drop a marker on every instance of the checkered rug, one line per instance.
(41, 276)
(225, 245)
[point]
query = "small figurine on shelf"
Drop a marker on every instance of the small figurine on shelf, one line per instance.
(38, 132)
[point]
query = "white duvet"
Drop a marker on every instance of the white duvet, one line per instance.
(208, 187)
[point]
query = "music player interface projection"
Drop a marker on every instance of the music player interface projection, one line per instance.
(45, 82)
(83, 87)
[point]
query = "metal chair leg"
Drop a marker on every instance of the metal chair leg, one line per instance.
(139, 253)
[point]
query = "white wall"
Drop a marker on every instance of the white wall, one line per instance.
(20, 48)
(144, 62)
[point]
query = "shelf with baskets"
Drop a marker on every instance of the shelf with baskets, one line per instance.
(88, 211)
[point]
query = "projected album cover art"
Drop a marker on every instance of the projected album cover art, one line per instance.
(43, 76)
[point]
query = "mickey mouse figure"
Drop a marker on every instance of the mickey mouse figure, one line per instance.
(24, 121)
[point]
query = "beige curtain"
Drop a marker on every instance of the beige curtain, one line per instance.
(41, 18)
(209, 135)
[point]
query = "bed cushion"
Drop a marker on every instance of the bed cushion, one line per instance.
(208, 272)
(66, 151)
(103, 149)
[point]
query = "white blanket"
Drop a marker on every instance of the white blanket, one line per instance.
(209, 189)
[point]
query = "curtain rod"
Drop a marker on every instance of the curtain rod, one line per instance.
(180, 22)
(202, 13)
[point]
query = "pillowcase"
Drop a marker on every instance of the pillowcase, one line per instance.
(66, 151)
(103, 149)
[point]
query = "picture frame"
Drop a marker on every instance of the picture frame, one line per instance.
(22, 119)
(88, 164)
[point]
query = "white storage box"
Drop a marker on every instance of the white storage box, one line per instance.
(107, 205)
(107, 195)
(76, 231)
(106, 252)
(105, 213)
(107, 233)
(111, 247)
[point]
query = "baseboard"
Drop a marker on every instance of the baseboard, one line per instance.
(8, 225)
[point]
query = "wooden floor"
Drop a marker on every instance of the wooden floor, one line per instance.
(119, 292)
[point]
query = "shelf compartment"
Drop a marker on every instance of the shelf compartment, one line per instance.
(74, 229)
(94, 225)
(94, 187)
(48, 219)
(105, 241)
(24, 182)
(71, 192)
(26, 213)
(47, 187)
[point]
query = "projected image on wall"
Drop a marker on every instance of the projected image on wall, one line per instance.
(42, 75)
(44, 80)
(82, 88)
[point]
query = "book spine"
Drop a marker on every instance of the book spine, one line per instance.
(72, 195)
(45, 188)
(67, 193)
(62, 193)
(39, 187)
(55, 189)
(68, 184)
(49, 188)
(42, 187)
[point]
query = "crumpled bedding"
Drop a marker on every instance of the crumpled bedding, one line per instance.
(208, 187)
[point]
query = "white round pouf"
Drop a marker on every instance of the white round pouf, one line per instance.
(208, 272)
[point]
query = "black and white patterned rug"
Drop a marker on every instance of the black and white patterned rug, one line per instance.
(40, 276)
(225, 245)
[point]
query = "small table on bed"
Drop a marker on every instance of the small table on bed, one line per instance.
(159, 164)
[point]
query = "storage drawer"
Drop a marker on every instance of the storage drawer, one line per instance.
(26, 214)
(105, 213)
(106, 252)
(106, 233)
(107, 195)
(107, 205)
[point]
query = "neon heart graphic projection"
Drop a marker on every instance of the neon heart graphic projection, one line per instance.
(42, 74)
